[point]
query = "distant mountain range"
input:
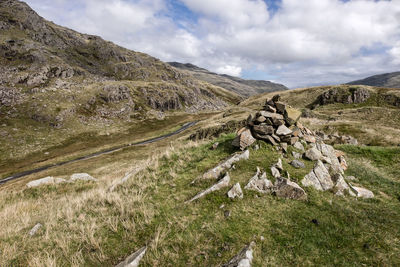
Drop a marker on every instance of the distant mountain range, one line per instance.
(390, 80)
(240, 86)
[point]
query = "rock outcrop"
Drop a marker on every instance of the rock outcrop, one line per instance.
(235, 192)
(259, 183)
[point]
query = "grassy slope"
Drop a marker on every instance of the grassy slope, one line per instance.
(84, 224)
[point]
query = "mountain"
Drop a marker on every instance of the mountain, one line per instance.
(52, 77)
(240, 86)
(389, 80)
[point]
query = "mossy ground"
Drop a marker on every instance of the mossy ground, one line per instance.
(99, 228)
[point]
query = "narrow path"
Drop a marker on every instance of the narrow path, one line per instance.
(111, 150)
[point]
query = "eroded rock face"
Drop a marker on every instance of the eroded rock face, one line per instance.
(287, 189)
(244, 258)
(344, 96)
(224, 182)
(216, 172)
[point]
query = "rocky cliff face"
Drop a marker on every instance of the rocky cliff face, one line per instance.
(48, 71)
(240, 86)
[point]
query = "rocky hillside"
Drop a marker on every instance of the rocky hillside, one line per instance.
(52, 78)
(389, 80)
(240, 86)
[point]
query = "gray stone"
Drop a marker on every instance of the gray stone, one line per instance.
(323, 175)
(224, 182)
(263, 129)
(313, 154)
(284, 147)
(297, 164)
(283, 130)
(134, 259)
(279, 165)
(235, 192)
(312, 180)
(43, 181)
(244, 139)
(287, 189)
(296, 155)
(259, 183)
(329, 152)
(243, 258)
(214, 146)
(35, 228)
(82, 177)
(299, 146)
(341, 187)
(216, 172)
(361, 192)
(267, 114)
(275, 172)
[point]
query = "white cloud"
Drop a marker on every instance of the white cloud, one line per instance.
(304, 42)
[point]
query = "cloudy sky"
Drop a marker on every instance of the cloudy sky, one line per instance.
(295, 42)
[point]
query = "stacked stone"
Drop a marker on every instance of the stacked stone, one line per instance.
(275, 124)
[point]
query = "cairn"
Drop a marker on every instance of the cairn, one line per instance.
(276, 124)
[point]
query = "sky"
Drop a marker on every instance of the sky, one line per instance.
(298, 43)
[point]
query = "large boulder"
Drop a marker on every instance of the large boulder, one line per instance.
(45, 181)
(287, 189)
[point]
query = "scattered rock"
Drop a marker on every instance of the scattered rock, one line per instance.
(243, 258)
(275, 172)
(35, 228)
(216, 172)
(82, 177)
(224, 182)
(134, 259)
(235, 192)
(313, 154)
(309, 139)
(227, 213)
(279, 165)
(284, 147)
(259, 183)
(297, 164)
(287, 189)
(341, 187)
(361, 192)
(351, 178)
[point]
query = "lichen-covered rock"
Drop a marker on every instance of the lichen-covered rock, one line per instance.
(244, 139)
(313, 154)
(259, 183)
(235, 192)
(287, 189)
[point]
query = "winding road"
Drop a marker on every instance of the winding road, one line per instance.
(111, 150)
